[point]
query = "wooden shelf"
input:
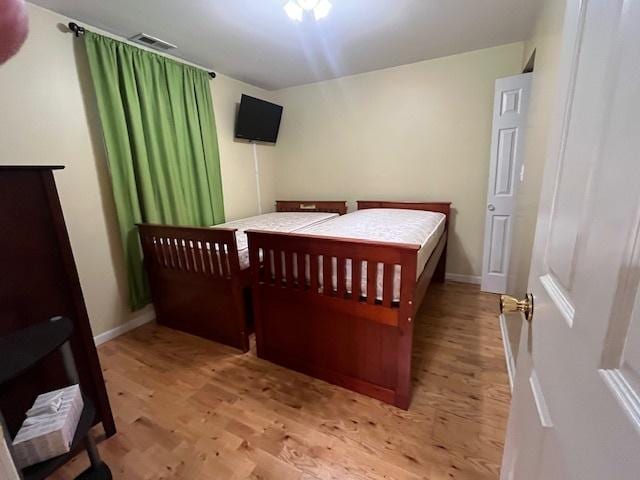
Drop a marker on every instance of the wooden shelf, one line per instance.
(24, 348)
(31, 167)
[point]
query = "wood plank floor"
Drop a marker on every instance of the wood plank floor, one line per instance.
(191, 409)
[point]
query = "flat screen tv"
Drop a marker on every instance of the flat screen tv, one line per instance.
(258, 120)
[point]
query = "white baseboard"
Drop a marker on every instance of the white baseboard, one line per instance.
(508, 354)
(146, 316)
(458, 277)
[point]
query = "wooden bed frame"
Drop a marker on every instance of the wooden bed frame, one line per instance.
(352, 340)
(200, 293)
(327, 206)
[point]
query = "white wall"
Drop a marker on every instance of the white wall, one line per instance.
(546, 40)
(48, 116)
(414, 132)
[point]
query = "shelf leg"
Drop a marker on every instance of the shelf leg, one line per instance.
(69, 363)
(92, 451)
(72, 375)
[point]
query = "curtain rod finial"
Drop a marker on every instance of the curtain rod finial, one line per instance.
(75, 28)
(212, 74)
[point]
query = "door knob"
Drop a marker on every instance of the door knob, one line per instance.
(491, 207)
(509, 304)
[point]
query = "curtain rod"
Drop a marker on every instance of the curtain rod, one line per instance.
(78, 30)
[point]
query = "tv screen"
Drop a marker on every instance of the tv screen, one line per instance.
(258, 120)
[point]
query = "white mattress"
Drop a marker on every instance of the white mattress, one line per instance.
(411, 227)
(285, 222)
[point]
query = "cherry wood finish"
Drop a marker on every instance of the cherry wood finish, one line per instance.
(39, 280)
(196, 282)
(197, 285)
(311, 206)
(350, 339)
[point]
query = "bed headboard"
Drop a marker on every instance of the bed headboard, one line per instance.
(337, 206)
(441, 207)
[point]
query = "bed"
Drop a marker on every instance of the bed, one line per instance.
(199, 276)
(357, 334)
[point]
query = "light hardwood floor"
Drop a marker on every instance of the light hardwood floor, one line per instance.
(191, 409)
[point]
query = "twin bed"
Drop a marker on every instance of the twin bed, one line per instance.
(199, 276)
(332, 295)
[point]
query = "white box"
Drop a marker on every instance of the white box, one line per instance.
(50, 428)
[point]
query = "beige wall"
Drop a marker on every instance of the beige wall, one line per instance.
(415, 132)
(48, 117)
(237, 163)
(546, 40)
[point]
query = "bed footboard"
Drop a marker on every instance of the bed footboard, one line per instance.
(196, 282)
(313, 315)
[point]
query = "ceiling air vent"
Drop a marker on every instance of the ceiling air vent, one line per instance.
(153, 42)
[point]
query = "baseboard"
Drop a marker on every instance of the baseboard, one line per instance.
(458, 277)
(508, 354)
(146, 316)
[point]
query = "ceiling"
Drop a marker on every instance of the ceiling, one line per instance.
(254, 40)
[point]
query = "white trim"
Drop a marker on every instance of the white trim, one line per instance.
(541, 403)
(558, 297)
(459, 277)
(624, 393)
(508, 353)
(144, 317)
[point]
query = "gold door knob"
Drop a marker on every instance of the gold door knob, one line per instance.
(509, 304)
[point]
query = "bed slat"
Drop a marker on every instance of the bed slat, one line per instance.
(224, 265)
(313, 273)
(186, 249)
(372, 282)
(176, 261)
(327, 275)
(301, 260)
(387, 284)
(277, 266)
(288, 261)
(341, 277)
(356, 278)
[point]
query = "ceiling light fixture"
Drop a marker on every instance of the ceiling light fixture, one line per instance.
(296, 9)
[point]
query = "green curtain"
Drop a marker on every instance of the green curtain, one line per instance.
(160, 137)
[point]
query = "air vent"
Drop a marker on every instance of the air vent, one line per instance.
(153, 42)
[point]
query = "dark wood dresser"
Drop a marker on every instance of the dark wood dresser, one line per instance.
(39, 280)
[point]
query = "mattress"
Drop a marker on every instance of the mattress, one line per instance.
(410, 227)
(285, 222)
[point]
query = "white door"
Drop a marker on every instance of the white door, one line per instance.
(507, 139)
(576, 407)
